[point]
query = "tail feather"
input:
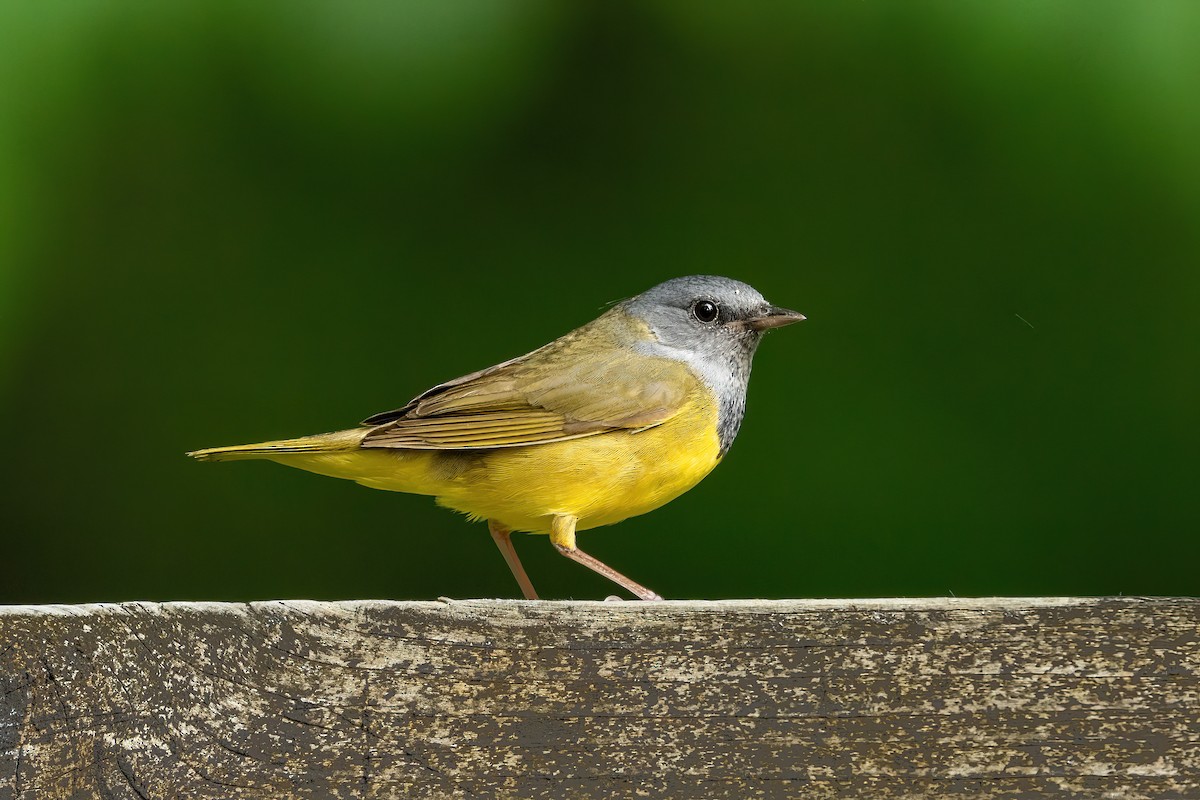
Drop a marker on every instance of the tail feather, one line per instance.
(321, 443)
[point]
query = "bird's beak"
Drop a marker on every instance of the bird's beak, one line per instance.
(774, 317)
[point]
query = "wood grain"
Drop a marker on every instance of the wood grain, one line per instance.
(939, 698)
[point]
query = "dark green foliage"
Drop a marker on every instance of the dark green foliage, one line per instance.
(217, 222)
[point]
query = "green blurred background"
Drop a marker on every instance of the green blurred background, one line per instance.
(228, 222)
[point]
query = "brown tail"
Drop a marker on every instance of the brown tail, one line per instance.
(321, 443)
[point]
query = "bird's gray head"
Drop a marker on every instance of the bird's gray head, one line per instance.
(713, 324)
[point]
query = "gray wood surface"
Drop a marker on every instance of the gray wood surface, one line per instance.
(939, 698)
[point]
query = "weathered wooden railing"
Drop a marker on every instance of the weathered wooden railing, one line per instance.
(942, 698)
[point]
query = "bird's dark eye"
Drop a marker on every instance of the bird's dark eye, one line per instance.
(705, 310)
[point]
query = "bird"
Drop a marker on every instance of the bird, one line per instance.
(609, 421)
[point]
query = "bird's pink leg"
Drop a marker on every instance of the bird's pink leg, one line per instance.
(562, 536)
(502, 536)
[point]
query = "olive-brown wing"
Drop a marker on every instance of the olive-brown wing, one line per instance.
(552, 394)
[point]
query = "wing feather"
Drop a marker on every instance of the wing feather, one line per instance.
(565, 390)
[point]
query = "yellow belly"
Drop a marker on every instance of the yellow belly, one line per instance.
(598, 479)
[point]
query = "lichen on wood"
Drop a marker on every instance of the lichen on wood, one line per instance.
(938, 698)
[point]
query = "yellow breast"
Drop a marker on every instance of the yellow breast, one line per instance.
(599, 479)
